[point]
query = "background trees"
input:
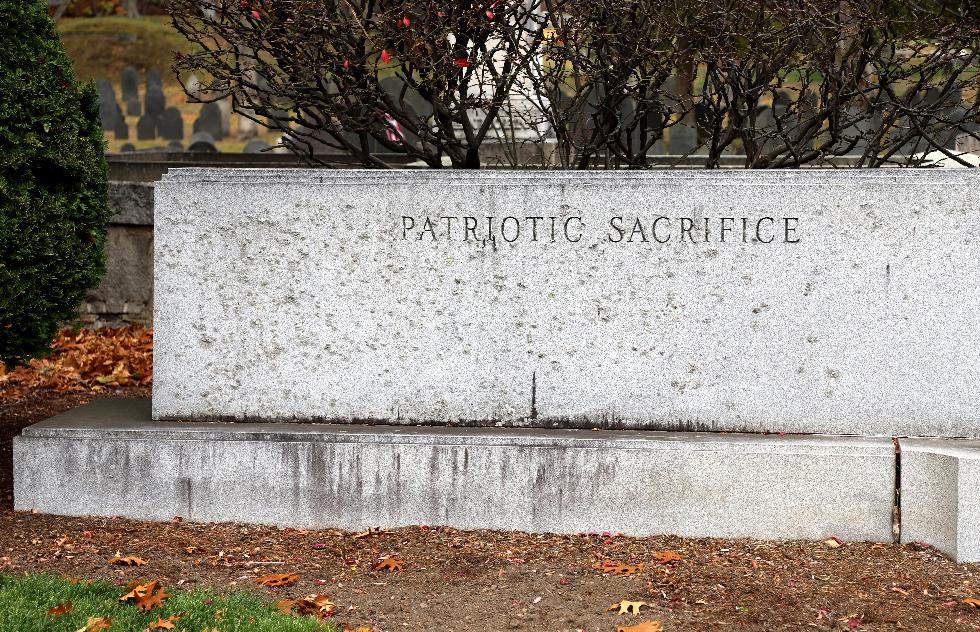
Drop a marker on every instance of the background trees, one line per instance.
(596, 83)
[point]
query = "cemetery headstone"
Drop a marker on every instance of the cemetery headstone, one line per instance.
(209, 120)
(247, 128)
(155, 102)
(130, 81)
(121, 130)
(154, 80)
(224, 108)
(704, 118)
(256, 146)
(175, 145)
(146, 127)
(127, 148)
(193, 87)
(171, 125)
(781, 103)
(109, 109)
(134, 107)
(682, 139)
(202, 142)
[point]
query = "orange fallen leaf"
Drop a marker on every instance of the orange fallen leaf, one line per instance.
(318, 606)
(970, 601)
(96, 624)
(390, 563)
(152, 600)
(628, 607)
(137, 590)
(60, 609)
(646, 626)
(274, 580)
(665, 557)
(129, 560)
(166, 624)
(899, 590)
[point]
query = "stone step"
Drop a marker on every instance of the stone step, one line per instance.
(109, 458)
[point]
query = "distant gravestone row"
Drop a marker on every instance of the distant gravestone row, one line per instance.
(155, 120)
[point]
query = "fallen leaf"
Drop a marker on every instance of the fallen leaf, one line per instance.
(152, 600)
(146, 596)
(390, 563)
(646, 626)
(274, 580)
(137, 590)
(371, 531)
(834, 542)
(620, 569)
(166, 624)
(628, 607)
(129, 560)
(96, 624)
(899, 590)
(665, 557)
(60, 609)
(970, 601)
(318, 606)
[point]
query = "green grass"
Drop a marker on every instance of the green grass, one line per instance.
(24, 604)
(101, 47)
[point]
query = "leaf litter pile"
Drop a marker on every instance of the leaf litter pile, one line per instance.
(93, 360)
(437, 578)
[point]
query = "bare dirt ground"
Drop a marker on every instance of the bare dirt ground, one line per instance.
(484, 581)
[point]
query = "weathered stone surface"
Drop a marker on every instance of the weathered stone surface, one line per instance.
(940, 480)
(131, 203)
(108, 458)
(293, 295)
(125, 292)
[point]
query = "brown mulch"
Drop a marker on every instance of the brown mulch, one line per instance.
(484, 581)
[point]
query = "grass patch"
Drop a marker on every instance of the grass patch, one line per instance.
(24, 604)
(101, 47)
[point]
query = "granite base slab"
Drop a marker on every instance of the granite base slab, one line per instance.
(109, 458)
(940, 481)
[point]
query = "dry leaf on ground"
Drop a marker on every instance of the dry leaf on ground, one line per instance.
(646, 626)
(60, 609)
(970, 601)
(318, 606)
(665, 557)
(371, 531)
(619, 569)
(390, 563)
(128, 560)
(96, 624)
(137, 590)
(166, 624)
(628, 607)
(146, 596)
(275, 580)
